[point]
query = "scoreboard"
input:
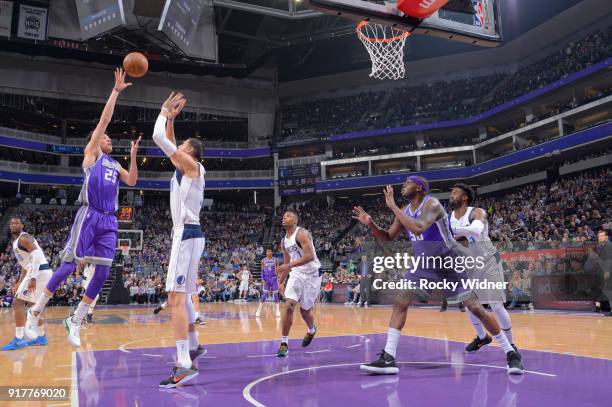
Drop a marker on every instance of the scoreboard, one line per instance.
(298, 179)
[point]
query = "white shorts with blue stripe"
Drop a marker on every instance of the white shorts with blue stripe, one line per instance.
(187, 247)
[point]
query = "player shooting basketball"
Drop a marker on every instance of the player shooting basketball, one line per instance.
(93, 236)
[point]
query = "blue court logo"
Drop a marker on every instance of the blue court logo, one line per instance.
(180, 280)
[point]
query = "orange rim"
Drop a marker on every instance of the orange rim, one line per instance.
(361, 35)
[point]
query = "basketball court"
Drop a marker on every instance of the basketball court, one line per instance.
(127, 351)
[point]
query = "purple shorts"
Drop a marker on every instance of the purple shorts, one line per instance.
(270, 284)
(93, 237)
(435, 274)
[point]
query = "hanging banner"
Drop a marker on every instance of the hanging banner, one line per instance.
(6, 18)
(32, 23)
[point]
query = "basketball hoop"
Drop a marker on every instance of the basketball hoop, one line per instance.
(385, 44)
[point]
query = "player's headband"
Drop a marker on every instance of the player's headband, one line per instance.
(418, 181)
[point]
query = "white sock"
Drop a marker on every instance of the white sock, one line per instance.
(285, 339)
(164, 304)
(80, 313)
(19, 332)
(193, 340)
(477, 324)
(504, 320)
(93, 305)
(197, 315)
(503, 342)
(41, 303)
(312, 330)
(182, 353)
(393, 336)
(41, 330)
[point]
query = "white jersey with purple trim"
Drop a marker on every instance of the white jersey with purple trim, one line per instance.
(24, 258)
(296, 251)
(186, 197)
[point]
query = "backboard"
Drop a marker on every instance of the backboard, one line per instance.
(472, 21)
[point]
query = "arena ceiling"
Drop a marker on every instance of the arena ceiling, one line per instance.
(280, 34)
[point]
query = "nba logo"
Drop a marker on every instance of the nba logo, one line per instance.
(180, 280)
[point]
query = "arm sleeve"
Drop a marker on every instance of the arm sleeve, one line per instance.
(474, 230)
(38, 259)
(159, 137)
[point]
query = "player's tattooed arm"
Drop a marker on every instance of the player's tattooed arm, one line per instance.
(431, 212)
(362, 216)
(91, 149)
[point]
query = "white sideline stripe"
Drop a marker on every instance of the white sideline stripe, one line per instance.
(74, 385)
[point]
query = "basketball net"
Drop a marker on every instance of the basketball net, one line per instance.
(385, 44)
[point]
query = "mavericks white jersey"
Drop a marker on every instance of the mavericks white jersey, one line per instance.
(295, 251)
(24, 258)
(484, 243)
(186, 198)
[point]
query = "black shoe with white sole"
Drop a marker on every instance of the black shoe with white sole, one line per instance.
(478, 343)
(385, 364)
(194, 354)
(308, 338)
(515, 365)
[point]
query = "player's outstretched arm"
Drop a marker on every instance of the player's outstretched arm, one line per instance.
(479, 217)
(130, 177)
(174, 111)
(91, 149)
(180, 159)
(362, 216)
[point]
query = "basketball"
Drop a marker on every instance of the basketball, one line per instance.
(135, 64)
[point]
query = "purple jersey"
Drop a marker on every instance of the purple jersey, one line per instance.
(436, 240)
(101, 186)
(269, 270)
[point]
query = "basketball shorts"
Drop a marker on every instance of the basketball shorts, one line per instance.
(23, 293)
(270, 284)
(303, 288)
(187, 247)
(93, 237)
(434, 273)
(244, 286)
(492, 272)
